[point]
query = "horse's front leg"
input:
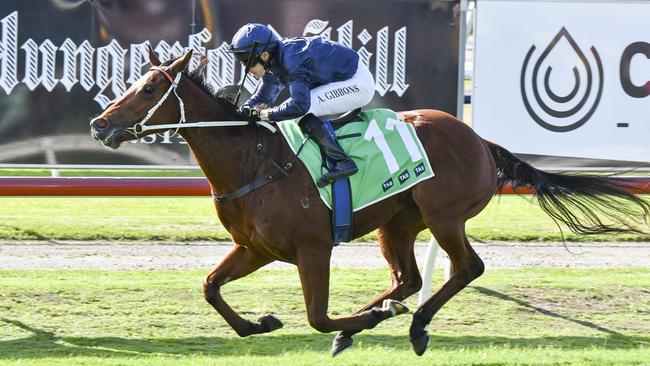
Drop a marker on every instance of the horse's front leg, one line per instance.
(238, 263)
(396, 240)
(314, 270)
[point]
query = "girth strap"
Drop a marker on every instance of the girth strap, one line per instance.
(258, 183)
(280, 172)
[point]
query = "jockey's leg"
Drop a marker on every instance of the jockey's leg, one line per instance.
(344, 166)
(343, 96)
(333, 98)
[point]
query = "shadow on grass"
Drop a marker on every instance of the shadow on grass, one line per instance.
(522, 303)
(41, 344)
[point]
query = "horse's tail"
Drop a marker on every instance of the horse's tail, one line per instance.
(579, 201)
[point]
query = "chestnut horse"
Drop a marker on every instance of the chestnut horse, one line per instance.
(287, 221)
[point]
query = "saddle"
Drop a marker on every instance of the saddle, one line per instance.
(345, 118)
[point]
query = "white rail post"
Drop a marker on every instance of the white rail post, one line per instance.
(429, 265)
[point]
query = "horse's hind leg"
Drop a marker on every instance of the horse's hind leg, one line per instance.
(396, 240)
(467, 266)
(238, 263)
(314, 270)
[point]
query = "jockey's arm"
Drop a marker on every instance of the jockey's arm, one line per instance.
(267, 93)
(296, 106)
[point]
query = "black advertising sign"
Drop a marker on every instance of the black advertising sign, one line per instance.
(64, 61)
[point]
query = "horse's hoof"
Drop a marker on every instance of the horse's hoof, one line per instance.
(340, 344)
(420, 344)
(270, 323)
(395, 307)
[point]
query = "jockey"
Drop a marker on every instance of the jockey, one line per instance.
(324, 78)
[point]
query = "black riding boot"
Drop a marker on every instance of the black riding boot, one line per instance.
(344, 166)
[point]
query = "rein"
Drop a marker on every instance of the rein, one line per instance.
(140, 127)
(254, 184)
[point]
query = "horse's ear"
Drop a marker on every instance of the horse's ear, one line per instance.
(153, 58)
(181, 63)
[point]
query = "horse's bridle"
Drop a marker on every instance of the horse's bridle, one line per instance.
(140, 127)
(137, 129)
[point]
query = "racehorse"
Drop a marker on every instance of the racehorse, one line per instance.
(287, 221)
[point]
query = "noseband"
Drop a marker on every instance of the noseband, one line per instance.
(137, 129)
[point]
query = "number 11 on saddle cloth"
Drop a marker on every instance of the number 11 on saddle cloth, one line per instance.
(387, 151)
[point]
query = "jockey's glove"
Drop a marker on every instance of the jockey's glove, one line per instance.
(250, 114)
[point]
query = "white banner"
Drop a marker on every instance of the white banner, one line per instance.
(564, 78)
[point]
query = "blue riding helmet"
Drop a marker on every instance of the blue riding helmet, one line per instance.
(245, 38)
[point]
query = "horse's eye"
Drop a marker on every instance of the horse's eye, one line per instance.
(148, 89)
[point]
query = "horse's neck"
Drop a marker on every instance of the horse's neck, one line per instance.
(226, 155)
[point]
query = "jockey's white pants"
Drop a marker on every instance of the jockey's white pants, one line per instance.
(342, 96)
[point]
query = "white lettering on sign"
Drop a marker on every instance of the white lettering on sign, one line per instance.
(105, 67)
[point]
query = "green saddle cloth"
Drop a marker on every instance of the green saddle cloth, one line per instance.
(387, 151)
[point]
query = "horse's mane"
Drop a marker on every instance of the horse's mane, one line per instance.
(198, 77)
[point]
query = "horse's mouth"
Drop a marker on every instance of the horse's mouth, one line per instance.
(112, 138)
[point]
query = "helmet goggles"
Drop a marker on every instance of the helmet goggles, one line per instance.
(243, 57)
(249, 43)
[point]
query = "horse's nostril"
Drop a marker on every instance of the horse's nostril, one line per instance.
(99, 123)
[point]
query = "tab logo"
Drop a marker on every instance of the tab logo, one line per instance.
(419, 169)
(404, 177)
(387, 184)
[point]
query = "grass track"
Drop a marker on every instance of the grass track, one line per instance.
(182, 219)
(507, 317)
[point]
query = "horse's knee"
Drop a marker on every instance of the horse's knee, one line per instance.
(210, 290)
(471, 271)
(320, 323)
(408, 285)
(476, 267)
(414, 284)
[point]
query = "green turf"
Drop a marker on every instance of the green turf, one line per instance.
(507, 317)
(194, 219)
